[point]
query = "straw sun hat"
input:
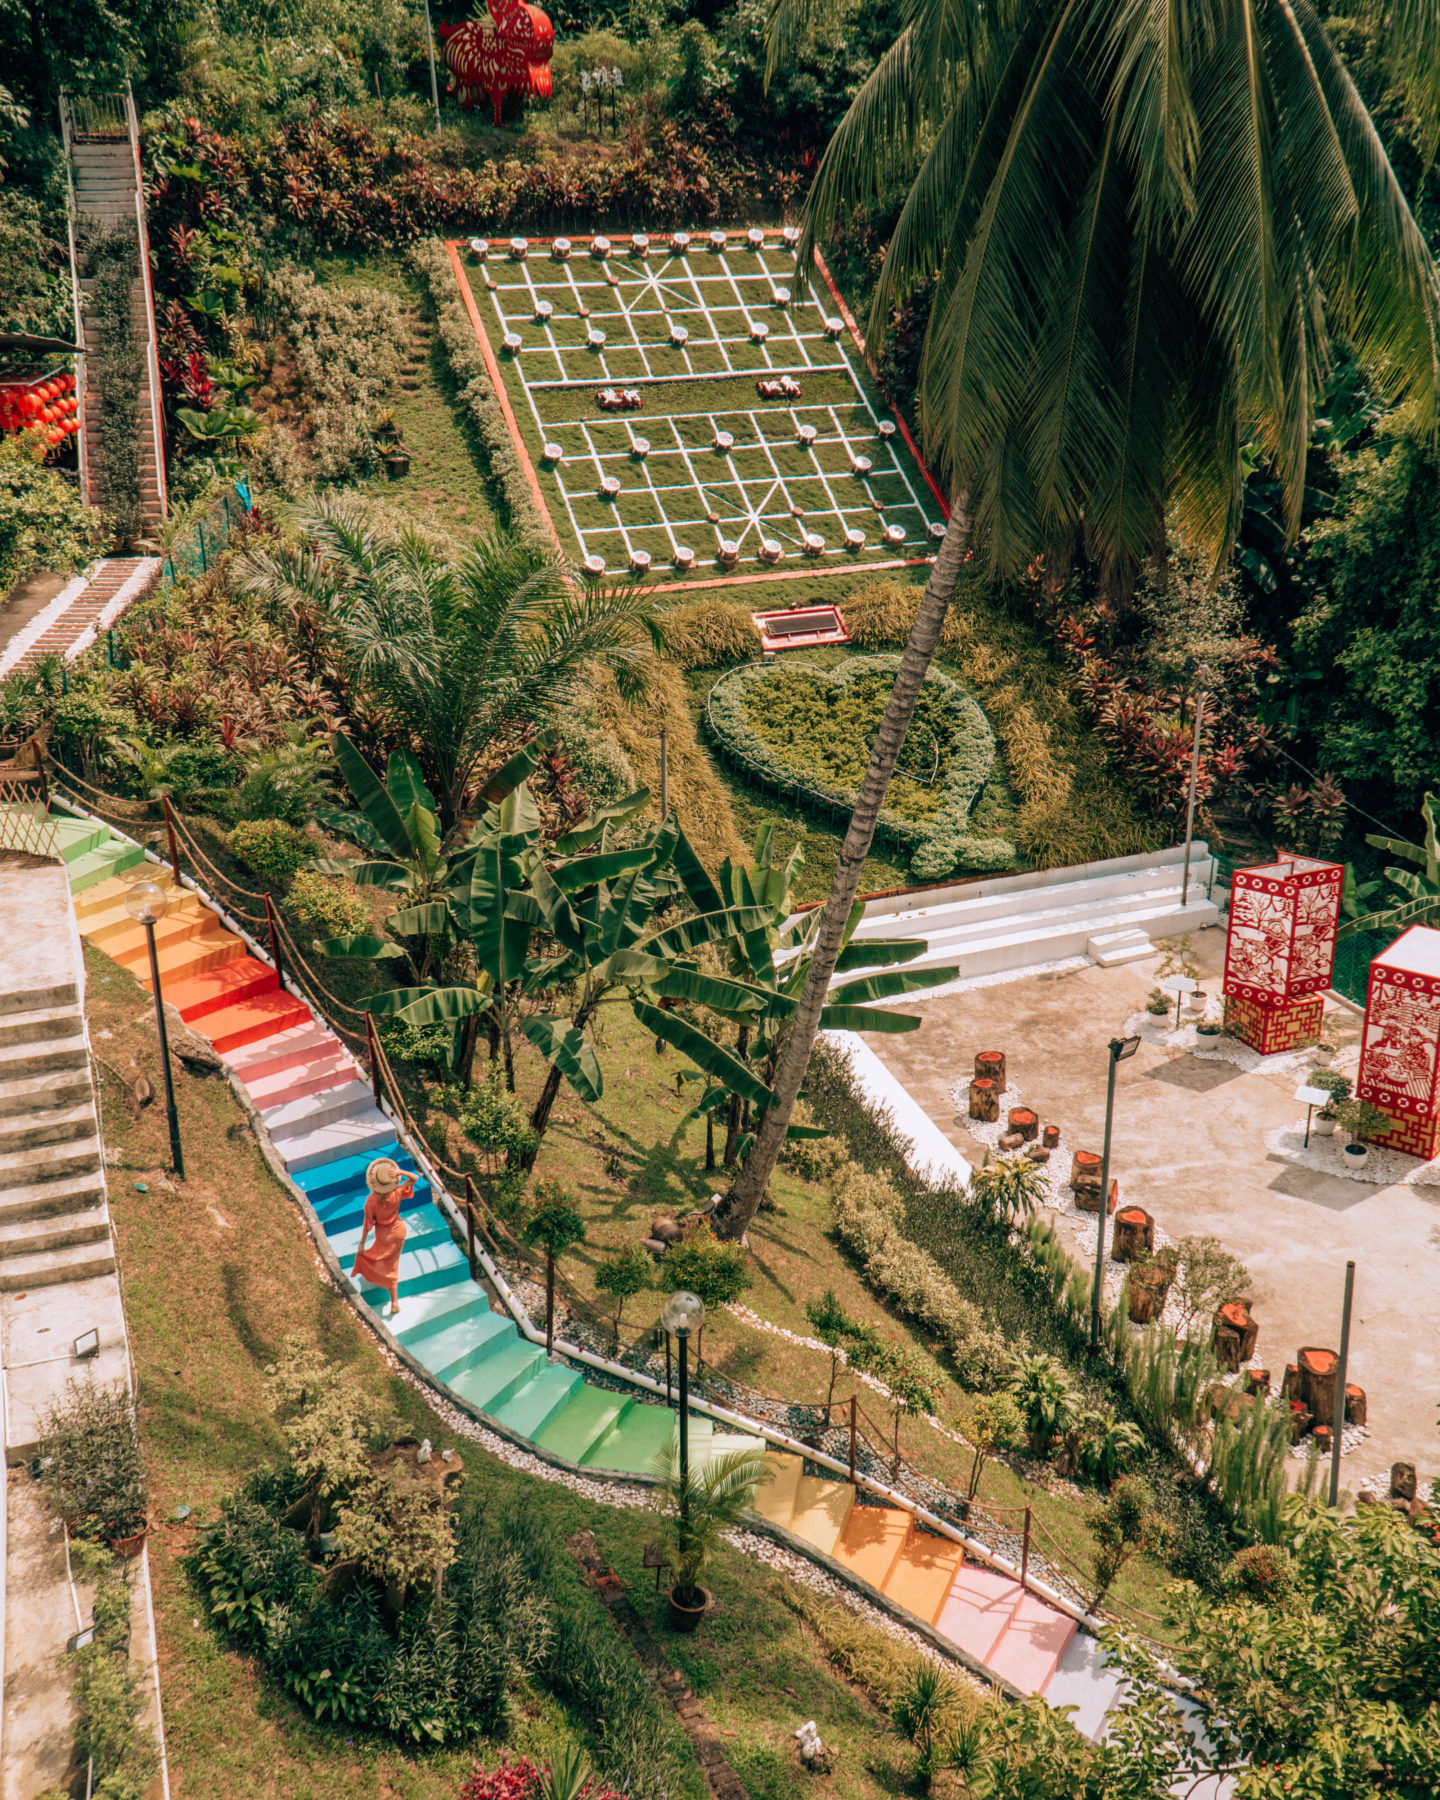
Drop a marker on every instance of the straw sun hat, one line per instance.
(383, 1175)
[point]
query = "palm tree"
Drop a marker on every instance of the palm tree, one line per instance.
(1142, 219)
(455, 652)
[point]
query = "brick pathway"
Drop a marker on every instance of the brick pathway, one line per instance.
(83, 608)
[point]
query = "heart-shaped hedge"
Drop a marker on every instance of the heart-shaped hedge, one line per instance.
(809, 730)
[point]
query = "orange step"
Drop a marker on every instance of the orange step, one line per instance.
(245, 978)
(250, 1020)
(871, 1541)
(924, 1573)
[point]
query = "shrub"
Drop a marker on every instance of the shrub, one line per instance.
(247, 1563)
(1127, 1525)
(791, 731)
(404, 1042)
(274, 850)
(1047, 1402)
(622, 1276)
(590, 1669)
(43, 521)
(286, 781)
(708, 634)
(602, 767)
(701, 1264)
(332, 908)
(109, 1691)
(494, 1119)
(91, 1461)
(867, 1214)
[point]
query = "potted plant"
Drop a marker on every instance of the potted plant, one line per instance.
(702, 1505)
(1158, 1004)
(384, 427)
(1339, 1087)
(92, 1468)
(1361, 1120)
(1325, 1053)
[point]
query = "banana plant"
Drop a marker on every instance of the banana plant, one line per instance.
(1423, 890)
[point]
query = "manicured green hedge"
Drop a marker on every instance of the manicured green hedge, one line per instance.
(808, 732)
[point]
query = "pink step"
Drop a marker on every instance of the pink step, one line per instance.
(979, 1607)
(280, 1086)
(1031, 1644)
(217, 990)
(286, 1050)
(252, 1019)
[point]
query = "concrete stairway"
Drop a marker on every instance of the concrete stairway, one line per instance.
(1002, 1625)
(1107, 911)
(324, 1125)
(105, 188)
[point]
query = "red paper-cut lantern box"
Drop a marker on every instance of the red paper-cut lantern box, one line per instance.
(1279, 951)
(1400, 1048)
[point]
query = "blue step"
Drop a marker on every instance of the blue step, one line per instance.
(530, 1408)
(422, 1270)
(490, 1382)
(339, 1212)
(422, 1228)
(346, 1171)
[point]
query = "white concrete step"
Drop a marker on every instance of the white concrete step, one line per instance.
(33, 1237)
(47, 1126)
(33, 1056)
(1111, 947)
(313, 1110)
(34, 1024)
(38, 1199)
(55, 993)
(45, 1268)
(48, 1162)
(50, 1087)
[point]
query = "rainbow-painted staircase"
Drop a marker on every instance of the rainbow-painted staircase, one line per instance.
(326, 1128)
(324, 1125)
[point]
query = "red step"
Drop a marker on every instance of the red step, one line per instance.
(198, 995)
(261, 1016)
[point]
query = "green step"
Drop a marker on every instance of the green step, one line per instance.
(469, 1340)
(530, 1408)
(95, 866)
(490, 1382)
(428, 1311)
(642, 1434)
(75, 836)
(582, 1422)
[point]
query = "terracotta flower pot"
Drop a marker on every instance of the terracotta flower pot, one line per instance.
(131, 1546)
(687, 1618)
(397, 462)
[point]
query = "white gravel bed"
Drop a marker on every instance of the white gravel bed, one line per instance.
(1381, 1168)
(1162, 1034)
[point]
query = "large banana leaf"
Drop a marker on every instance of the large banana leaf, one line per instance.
(700, 890)
(424, 836)
(703, 1052)
(559, 914)
(867, 1018)
(499, 938)
(420, 921)
(631, 904)
(895, 981)
(565, 1047)
(342, 822)
(386, 819)
(714, 991)
(390, 875)
(521, 767)
(708, 928)
(406, 785)
(360, 944)
(878, 953)
(589, 871)
(616, 813)
(429, 1006)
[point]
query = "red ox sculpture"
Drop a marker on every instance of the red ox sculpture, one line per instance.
(507, 53)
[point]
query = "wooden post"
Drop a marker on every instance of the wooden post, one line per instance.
(38, 751)
(274, 925)
(1025, 1550)
(170, 831)
(1021, 1119)
(372, 1047)
(470, 1227)
(1233, 1333)
(1050, 1137)
(852, 1439)
(984, 1099)
(1134, 1235)
(1318, 1383)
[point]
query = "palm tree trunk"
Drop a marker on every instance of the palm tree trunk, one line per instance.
(732, 1217)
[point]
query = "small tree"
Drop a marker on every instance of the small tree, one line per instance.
(701, 1264)
(553, 1226)
(623, 1276)
(1208, 1274)
(913, 1392)
(926, 1705)
(996, 1425)
(1010, 1188)
(1126, 1525)
(327, 1420)
(835, 1329)
(1108, 1444)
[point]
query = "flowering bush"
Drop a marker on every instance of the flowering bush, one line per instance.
(326, 905)
(270, 847)
(523, 1781)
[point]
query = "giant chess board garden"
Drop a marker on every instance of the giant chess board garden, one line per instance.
(697, 406)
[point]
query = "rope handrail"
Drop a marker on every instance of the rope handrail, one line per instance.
(333, 1003)
(225, 880)
(63, 773)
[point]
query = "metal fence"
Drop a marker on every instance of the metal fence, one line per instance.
(203, 539)
(1353, 957)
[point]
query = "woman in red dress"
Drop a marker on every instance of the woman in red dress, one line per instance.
(389, 1188)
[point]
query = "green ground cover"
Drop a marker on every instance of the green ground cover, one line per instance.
(684, 490)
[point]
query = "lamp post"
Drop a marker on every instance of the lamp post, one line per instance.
(1120, 1050)
(682, 1314)
(146, 903)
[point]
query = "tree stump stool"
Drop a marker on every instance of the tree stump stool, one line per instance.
(1050, 1137)
(1290, 1382)
(1299, 1421)
(1134, 1234)
(990, 1066)
(1257, 1381)
(1037, 1153)
(1147, 1291)
(1319, 1370)
(1087, 1198)
(1025, 1122)
(1233, 1335)
(984, 1100)
(1354, 1404)
(1323, 1439)
(1402, 1481)
(1011, 1140)
(1084, 1166)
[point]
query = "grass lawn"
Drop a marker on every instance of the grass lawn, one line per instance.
(217, 1273)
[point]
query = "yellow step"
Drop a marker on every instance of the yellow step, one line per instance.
(185, 957)
(117, 934)
(775, 1499)
(108, 894)
(821, 1510)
